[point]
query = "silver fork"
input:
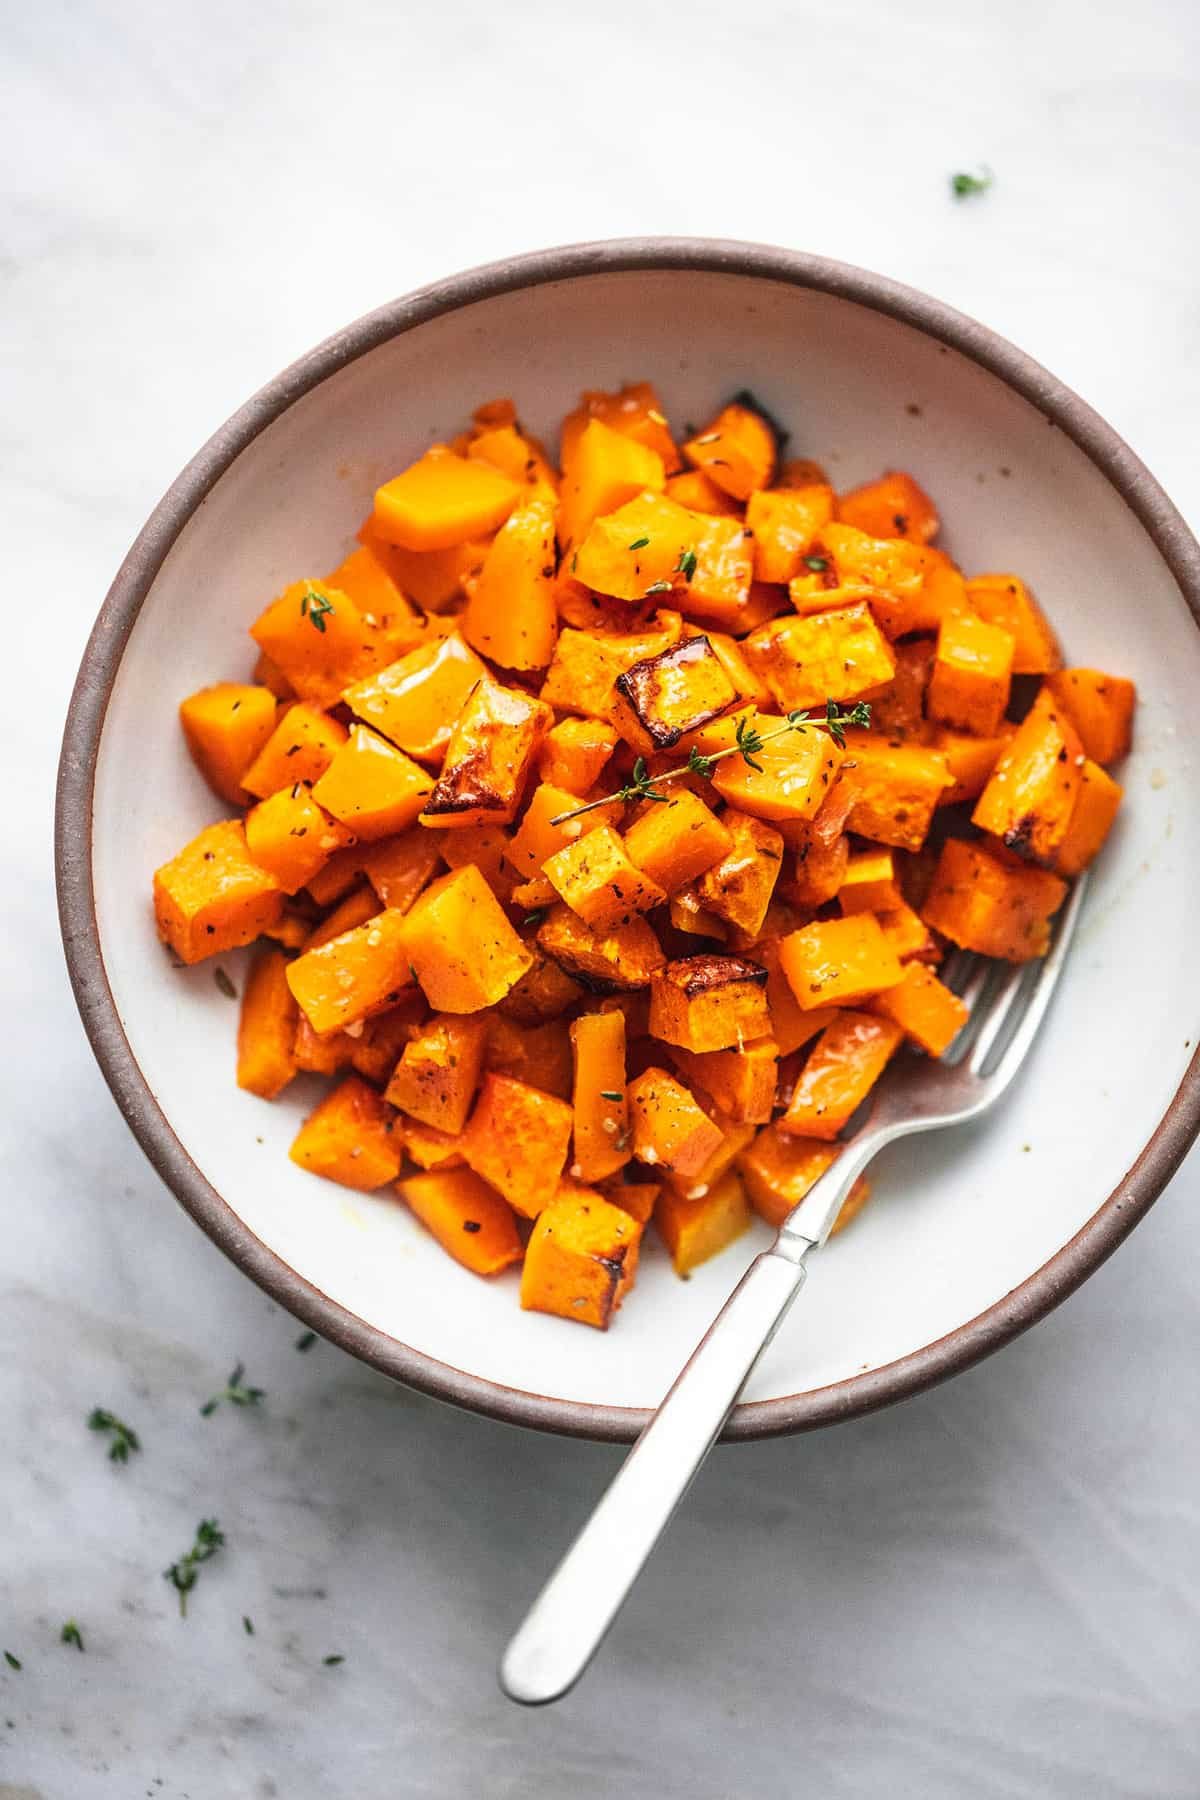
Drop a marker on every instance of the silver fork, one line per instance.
(568, 1620)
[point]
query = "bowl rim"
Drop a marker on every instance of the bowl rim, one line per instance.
(858, 1394)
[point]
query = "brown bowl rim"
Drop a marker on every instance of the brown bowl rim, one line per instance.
(859, 1394)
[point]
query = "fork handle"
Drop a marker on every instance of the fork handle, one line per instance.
(568, 1620)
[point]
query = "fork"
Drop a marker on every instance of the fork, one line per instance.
(567, 1622)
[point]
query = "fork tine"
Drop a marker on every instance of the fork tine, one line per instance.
(1041, 992)
(972, 982)
(998, 1014)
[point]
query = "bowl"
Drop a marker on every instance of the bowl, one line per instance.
(972, 1235)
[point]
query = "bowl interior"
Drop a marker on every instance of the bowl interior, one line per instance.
(957, 1220)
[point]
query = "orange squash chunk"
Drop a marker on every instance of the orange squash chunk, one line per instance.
(969, 761)
(908, 935)
(544, 992)
(893, 506)
(739, 887)
(625, 957)
(399, 867)
(365, 577)
(717, 589)
(843, 561)
(226, 726)
(466, 1216)
(1091, 819)
(510, 615)
(587, 663)
(598, 881)
(352, 910)
(696, 1230)
(433, 578)
(670, 1128)
(574, 753)
(636, 412)
(522, 459)
(749, 688)
(269, 675)
(925, 1009)
(320, 640)
(796, 769)
(376, 1048)
(709, 1002)
(601, 1128)
(517, 1140)
(831, 655)
(488, 758)
(677, 691)
(1004, 600)
(779, 1168)
(213, 896)
(736, 451)
(898, 707)
(539, 1055)
(442, 500)
(688, 914)
(637, 551)
(1100, 707)
(266, 1039)
(740, 1081)
(292, 837)
(438, 1071)
(734, 1139)
(674, 843)
(998, 907)
(373, 788)
(601, 470)
(350, 1138)
(817, 872)
(896, 788)
(637, 1198)
(415, 701)
(363, 971)
(785, 521)
(463, 951)
(972, 674)
(843, 1066)
(699, 494)
(870, 883)
(581, 1259)
(791, 1024)
(300, 748)
(1031, 792)
(537, 838)
(429, 1148)
(837, 961)
(317, 1055)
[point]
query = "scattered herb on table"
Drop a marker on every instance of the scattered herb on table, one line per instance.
(331, 1662)
(247, 1626)
(306, 1340)
(125, 1438)
(236, 1392)
(962, 185)
(183, 1574)
(224, 983)
(14, 1662)
(71, 1634)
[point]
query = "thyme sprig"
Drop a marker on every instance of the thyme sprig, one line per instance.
(125, 1438)
(236, 1392)
(748, 742)
(183, 1574)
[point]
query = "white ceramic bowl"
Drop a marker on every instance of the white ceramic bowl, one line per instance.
(972, 1234)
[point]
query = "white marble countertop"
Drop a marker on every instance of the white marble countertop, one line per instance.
(992, 1591)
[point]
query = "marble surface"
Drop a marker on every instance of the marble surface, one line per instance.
(992, 1591)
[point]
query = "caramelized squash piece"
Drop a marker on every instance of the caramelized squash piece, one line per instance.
(363, 971)
(785, 522)
(510, 615)
(779, 1169)
(517, 1139)
(1031, 792)
(415, 702)
(467, 1217)
(598, 881)
(739, 887)
(350, 1138)
(709, 1002)
(969, 761)
(438, 1071)
(670, 1128)
(291, 837)
(1099, 706)
(740, 1081)
(460, 946)
(843, 1066)
(399, 867)
(574, 753)
(896, 788)
(972, 674)
(373, 788)
(586, 665)
(601, 1129)
(838, 961)
(679, 690)
(539, 1055)
(581, 1259)
(636, 412)
(300, 748)
(626, 957)
(992, 904)
(893, 506)
(488, 758)
(831, 655)
(870, 883)
(1004, 600)
(736, 450)
(675, 842)
(925, 1009)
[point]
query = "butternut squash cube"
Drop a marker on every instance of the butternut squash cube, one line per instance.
(601, 470)
(365, 577)
(539, 1055)
(718, 588)
(998, 907)
(1031, 792)
(510, 615)
(438, 1071)
(488, 758)
(226, 726)
(598, 881)
(785, 521)
(363, 971)
(266, 1039)
(972, 674)
(415, 702)
(317, 1055)
(463, 951)
(269, 675)
(837, 961)
(517, 1139)
(586, 664)
(320, 640)
(291, 837)
(601, 1130)
(635, 411)
(637, 1198)
(640, 549)
(843, 1066)
(927, 1011)
(709, 1002)
(779, 1169)
(670, 1128)
(674, 843)
(898, 707)
(626, 957)
(817, 873)
(574, 753)
(739, 887)
(690, 915)
(433, 578)
(300, 748)
(749, 688)
(794, 774)
(581, 1259)
(870, 883)
(736, 451)
(699, 494)
(213, 896)
(522, 459)
(352, 910)
(831, 655)
(896, 789)
(848, 562)
(740, 1081)
(1100, 707)
(1091, 820)
(373, 788)
(538, 838)
(429, 1148)
(442, 500)
(544, 992)
(399, 867)
(466, 1216)
(893, 506)
(908, 935)
(350, 1138)
(696, 1230)
(969, 761)
(1004, 600)
(660, 699)
(792, 1025)
(376, 1048)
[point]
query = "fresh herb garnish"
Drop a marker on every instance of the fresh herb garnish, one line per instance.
(962, 186)
(71, 1634)
(236, 1392)
(331, 1662)
(14, 1662)
(306, 1340)
(818, 564)
(534, 918)
(658, 587)
(686, 566)
(748, 741)
(639, 543)
(247, 1626)
(183, 1574)
(313, 607)
(610, 1094)
(224, 983)
(125, 1438)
